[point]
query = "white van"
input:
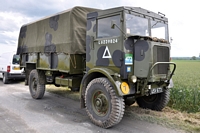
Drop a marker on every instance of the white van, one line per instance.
(9, 67)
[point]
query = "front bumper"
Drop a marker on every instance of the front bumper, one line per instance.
(162, 76)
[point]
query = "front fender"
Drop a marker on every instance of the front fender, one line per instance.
(96, 72)
(111, 75)
(102, 72)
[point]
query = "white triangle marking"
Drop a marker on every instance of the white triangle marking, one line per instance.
(106, 51)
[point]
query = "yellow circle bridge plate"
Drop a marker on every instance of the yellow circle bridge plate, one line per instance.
(125, 88)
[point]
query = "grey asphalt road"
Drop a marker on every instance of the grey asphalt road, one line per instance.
(19, 113)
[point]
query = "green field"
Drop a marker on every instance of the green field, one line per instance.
(185, 95)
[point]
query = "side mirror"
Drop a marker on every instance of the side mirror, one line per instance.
(113, 23)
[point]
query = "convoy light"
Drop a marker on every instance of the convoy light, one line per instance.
(125, 88)
(133, 78)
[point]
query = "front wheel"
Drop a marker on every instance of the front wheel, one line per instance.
(155, 102)
(103, 106)
(37, 90)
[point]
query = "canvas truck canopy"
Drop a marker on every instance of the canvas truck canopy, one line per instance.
(64, 32)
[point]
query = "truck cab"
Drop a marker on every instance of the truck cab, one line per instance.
(130, 45)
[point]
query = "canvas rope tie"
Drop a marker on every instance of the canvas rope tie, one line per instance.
(73, 63)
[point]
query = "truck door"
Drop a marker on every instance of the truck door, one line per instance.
(107, 44)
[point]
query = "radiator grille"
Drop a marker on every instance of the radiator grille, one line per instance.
(161, 54)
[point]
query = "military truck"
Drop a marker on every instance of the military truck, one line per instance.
(114, 56)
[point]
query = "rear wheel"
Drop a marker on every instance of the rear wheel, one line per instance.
(37, 90)
(155, 102)
(103, 106)
(25, 82)
(27, 76)
(5, 79)
(75, 89)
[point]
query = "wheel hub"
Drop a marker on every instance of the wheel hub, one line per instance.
(100, 104)
(34, 84)
(151, 99)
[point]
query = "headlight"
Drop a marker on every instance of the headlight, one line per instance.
(133, 78)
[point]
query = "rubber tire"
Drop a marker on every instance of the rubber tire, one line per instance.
(116, 104)
(75, 89)
(5, 79)
(39, 90)
(25, 82)
(159, 101)
(129, 101)
(27, 72)
(57, 85)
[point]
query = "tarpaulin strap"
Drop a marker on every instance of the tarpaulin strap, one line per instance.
(73, 63)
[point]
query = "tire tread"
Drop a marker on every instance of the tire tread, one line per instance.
(159, 104)
(40, 87)
(117, 110)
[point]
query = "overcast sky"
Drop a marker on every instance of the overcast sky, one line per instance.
(183, 16)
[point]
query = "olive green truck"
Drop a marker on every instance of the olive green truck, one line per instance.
(114, 57)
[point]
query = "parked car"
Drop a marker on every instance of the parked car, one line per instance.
(9, 67)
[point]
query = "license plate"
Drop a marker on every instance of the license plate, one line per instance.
(156, 90)
(16, 68)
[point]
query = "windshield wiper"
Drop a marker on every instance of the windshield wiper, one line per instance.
(155, 24)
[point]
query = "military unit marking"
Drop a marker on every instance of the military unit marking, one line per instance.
(106, 53)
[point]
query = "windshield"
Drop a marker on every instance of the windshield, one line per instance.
(159, 30)
(136, 25)
(141, 26)
(16, 59)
